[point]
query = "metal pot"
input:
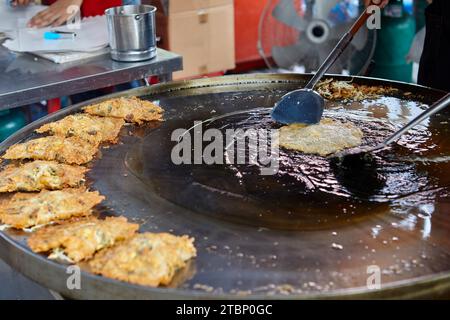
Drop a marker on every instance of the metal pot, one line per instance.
(132, 34)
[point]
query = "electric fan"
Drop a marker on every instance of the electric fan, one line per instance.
(298, 35)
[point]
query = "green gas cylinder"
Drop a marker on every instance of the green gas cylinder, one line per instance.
(394, 40)
(10, 122)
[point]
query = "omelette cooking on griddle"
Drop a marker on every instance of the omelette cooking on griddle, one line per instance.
(329, 136)
(325, 138)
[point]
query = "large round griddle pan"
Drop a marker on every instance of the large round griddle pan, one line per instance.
(252, 260)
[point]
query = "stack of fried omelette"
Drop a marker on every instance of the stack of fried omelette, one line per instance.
(44, 191)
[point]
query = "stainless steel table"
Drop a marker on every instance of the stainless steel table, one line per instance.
(25, 78)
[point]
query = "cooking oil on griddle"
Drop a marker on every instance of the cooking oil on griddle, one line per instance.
(307, 192)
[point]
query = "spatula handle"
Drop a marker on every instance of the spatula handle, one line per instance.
(435, 108)
(337, 51)
(360, 22)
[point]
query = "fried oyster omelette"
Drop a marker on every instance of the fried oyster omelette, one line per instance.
(149, 259)
(339, 90)
(25, 210)
(327, 137)
(91, 128)
(71, 150)
(130, 109)
(80, 239)
(39, 175)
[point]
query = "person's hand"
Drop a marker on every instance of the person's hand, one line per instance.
(21, 3)
(55, 15)
(380, 3)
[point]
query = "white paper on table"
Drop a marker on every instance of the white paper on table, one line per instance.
(91, 35)
(15, 18)
(65, 57)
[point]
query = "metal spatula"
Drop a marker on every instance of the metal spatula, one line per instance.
(306, 105)
(435, 108)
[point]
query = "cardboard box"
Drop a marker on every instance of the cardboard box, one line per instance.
(202, 31)
(195, 5)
